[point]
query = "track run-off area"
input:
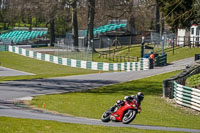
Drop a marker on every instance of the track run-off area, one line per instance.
(13, 90)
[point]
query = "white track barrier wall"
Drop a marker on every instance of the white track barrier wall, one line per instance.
(143, 63)
(186, 96)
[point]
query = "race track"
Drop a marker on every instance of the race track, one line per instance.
(13, 90)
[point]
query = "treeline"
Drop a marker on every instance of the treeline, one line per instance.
(179, 13)
(64, 15)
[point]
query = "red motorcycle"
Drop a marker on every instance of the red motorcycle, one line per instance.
(124, 114)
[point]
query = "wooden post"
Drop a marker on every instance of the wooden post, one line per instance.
(188, 41)
(130, 44)
(109, 51)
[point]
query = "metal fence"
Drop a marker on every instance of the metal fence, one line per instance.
(3, 47)
(157, 40)
(6, 41)
(188, 41)
(69, 51)
(106, 41)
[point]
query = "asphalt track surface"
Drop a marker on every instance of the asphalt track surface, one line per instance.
(10, 72)
(13, 90)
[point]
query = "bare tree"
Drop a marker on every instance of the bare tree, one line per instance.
(91, 15)
(8, 13)
(73, 5)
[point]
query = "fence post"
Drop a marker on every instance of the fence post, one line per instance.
(163, 45)
(142, 47)
(184, 41)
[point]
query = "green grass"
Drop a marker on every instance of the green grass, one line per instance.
(120, 51)
(16, 125)
(135, 51)
(42, 69)
(181, 53)
(155, 110)
(96, 58)
(193, 81)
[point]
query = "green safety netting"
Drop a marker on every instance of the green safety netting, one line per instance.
(19, 36)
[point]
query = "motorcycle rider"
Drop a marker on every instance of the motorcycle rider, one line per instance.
(139, 97)
(119, 103)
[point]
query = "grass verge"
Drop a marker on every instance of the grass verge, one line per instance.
(193, 81)
(16, 125)
(155, 110)
(135, 51)
(42, 69)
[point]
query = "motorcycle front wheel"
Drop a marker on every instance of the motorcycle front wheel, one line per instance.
(105, 117)
(129, 116)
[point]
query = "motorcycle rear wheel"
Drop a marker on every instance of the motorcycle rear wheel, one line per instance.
(105, 117)
(129, 116)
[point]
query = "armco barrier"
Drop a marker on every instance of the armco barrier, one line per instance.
(143, 63)
(186, 96)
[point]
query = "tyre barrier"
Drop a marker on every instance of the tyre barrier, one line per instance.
(143, 63)
(186, 96)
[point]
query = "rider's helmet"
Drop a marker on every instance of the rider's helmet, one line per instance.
(118, 102)
(133, 96)
(140, 96)
(126, 98)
